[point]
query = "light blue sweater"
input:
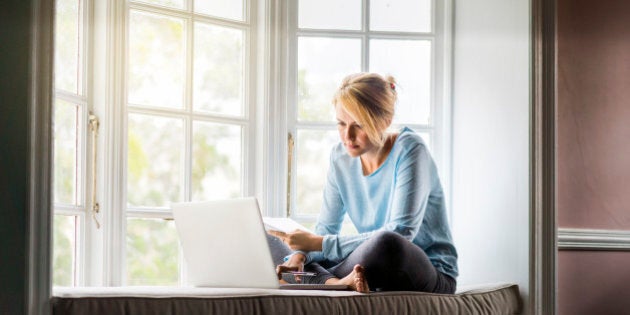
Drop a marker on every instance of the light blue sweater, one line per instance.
(404, 195)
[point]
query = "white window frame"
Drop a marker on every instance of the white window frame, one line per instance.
(84, 223)
(116, 111)
(101, 261)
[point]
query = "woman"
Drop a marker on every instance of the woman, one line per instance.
(388, 185)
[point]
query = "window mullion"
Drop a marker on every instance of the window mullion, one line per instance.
(188, 124)
(150, 213)
(113, 104)
(248, 145)
(443, 23)
(187, 178)
(365, 40)
(287, 184)
(83, 182)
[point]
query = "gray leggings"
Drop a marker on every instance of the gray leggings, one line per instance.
(391, 263)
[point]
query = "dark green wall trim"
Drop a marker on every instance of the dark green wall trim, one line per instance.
(26, 28)
(15, 28)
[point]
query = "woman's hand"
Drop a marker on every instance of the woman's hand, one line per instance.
(295, 263)
(300, 240)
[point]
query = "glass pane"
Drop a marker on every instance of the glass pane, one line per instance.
(400, 15)
(218, 69)
(67, 45)
(155, 160)
(64, 250)
(330, 14)
(152, 252)
(66, 152)
(229, 9)
(217, 160)
(427, 139)
(313, 154)
(156, 60)
(179, 4)
(409, 61)
(322, 64)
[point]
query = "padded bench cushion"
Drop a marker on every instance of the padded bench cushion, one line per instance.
(487, 299)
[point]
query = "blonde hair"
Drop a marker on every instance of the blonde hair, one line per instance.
(369, 98)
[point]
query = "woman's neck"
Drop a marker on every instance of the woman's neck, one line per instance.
(371, 161)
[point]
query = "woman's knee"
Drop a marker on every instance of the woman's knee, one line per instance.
(388, 242)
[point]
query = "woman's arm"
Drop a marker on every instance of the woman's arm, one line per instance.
(329, 221)
(300, 240)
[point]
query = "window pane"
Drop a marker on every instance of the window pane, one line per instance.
(156, 60)
(409, 61)
(330, 14)
(152, 252)
(66, 152)
(179, 4)
(67, 45)
(218, 69)
(229, 9)
(64, 249)
(313, 153)
(155, 160)
(400, 15)
(427, 139)
(322, 64)
(217, 160)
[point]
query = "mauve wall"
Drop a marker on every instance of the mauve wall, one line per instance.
(594, 150)
(594, 113)
(594, 283)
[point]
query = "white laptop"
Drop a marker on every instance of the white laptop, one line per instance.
(225, 245)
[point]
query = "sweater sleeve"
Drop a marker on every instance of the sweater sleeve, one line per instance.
(413, 180)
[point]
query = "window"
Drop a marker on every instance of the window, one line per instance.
(180, 87)
(70, 142)
(330, 39)
(189, 116)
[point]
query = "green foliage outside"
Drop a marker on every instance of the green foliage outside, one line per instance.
(66, 45)
(215, 172)
(64, 137)
(154, 160)
(152, 252)
(63, 250)
(314, 102)
(218, 69)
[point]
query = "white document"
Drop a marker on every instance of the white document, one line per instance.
(283, 225)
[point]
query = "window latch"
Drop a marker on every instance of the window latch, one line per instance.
(93, 125)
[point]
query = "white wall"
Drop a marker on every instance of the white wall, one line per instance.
(490, 200)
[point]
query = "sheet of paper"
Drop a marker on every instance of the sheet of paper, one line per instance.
(283, 224)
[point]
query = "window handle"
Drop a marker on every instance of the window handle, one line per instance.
(290, 145)
(93, 124)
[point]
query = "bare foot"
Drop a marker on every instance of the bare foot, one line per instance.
(355, 280)
(360, 282)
